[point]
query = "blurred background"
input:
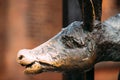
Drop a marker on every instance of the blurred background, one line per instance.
(28, 23)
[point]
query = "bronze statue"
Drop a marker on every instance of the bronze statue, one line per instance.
(74, 48)
(78, 47)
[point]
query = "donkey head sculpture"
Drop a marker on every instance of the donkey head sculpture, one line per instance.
(78, 46)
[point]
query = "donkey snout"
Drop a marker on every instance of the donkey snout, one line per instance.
(25, 57)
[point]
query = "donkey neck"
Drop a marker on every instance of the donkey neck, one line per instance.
(108, 44)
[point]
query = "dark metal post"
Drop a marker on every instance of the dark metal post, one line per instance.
(71, 12)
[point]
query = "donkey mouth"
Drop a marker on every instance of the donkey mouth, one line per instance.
(38, 67)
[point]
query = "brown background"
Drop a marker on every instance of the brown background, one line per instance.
(27, 24)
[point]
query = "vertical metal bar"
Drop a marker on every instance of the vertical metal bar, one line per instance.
(90, 74)
(73, 75)
(65, 13)
(76, 75)
(71, 12)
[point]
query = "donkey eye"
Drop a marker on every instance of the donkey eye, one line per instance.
(71, 42)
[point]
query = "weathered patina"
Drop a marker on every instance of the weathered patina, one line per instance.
(75, 48)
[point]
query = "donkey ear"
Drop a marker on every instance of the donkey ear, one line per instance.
(98, 9)
(91, 11)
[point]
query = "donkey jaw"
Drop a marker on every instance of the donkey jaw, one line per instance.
(38, 67)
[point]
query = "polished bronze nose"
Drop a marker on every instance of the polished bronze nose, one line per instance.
(25, 57)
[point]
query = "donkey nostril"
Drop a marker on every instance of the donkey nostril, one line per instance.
(20, 57)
